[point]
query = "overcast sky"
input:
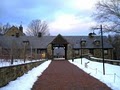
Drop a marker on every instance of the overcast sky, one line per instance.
(67, 17)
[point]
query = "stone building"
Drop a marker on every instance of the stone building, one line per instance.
(15, 31)
(55, 46)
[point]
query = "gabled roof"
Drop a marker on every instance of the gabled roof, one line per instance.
(14, 28)
(59, 40)
(43, 42)
(11, 28)
(75, 40)
(35, 42)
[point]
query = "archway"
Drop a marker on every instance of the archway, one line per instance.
(59, 51)
(59, 43)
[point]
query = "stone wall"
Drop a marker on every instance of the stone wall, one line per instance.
(69, 52)
(109, 55)
(12, 31)
(10, 73)
(49, 51)
(98, 54)
(85, 52)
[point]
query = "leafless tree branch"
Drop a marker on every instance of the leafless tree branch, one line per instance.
(37, 26)
(108, 11)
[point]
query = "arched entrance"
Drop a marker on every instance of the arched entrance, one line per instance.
(59, 47)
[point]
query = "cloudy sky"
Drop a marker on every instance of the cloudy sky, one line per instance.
(67, 17)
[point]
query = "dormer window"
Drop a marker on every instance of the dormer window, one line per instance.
(83, 42)
(13, 35)
(26, 42)
(97, 42)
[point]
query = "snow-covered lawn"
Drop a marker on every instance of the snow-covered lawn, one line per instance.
(95, 69)
(26, 81)
(4, 63)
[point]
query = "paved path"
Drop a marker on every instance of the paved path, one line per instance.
(62, 75)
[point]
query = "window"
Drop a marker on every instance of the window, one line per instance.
(38, 51)
(97, 42)
(91, 51)
(17, 34)
(83, 42)
(106, 51)
(33, 50)
(26, 42)
(76, 52)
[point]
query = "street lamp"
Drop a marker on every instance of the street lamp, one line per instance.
(25, 43)
(31, 53)
(81, 51)
(72, 53)
(82, 43)
(102, 49)
(102, 46)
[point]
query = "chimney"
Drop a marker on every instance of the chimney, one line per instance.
(21, 28)
(39, 34)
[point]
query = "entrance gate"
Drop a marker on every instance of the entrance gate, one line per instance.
(59, 51)
(59, 42)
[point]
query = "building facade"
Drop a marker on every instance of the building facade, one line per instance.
(15, 31)
(51, 47)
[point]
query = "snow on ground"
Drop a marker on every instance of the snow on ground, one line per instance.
(4, 63)
(26, 81)
(111, 78)
(95, 69)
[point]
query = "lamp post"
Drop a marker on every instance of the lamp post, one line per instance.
(25, 44)
(81, 51)
(82, 43)
(72, 53)
(31, 53)
(102, 49)
(102, 46)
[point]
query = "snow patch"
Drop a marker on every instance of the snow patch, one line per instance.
(95, 69)
(27, 81)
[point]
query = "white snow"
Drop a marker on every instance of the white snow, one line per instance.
(4, 63)
(111, 77)
(26, 81)
(95, 69)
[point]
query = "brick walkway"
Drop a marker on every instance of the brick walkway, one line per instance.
(62, 75)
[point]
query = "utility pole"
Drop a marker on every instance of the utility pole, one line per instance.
(81, 51)
(31, 52)
(102, 49)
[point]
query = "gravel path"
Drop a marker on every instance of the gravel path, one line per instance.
(62, 75)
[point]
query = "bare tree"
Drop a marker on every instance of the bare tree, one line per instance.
(108, 12)
(4, 28)
(116, 45)
(37, 26)
(115, 42)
